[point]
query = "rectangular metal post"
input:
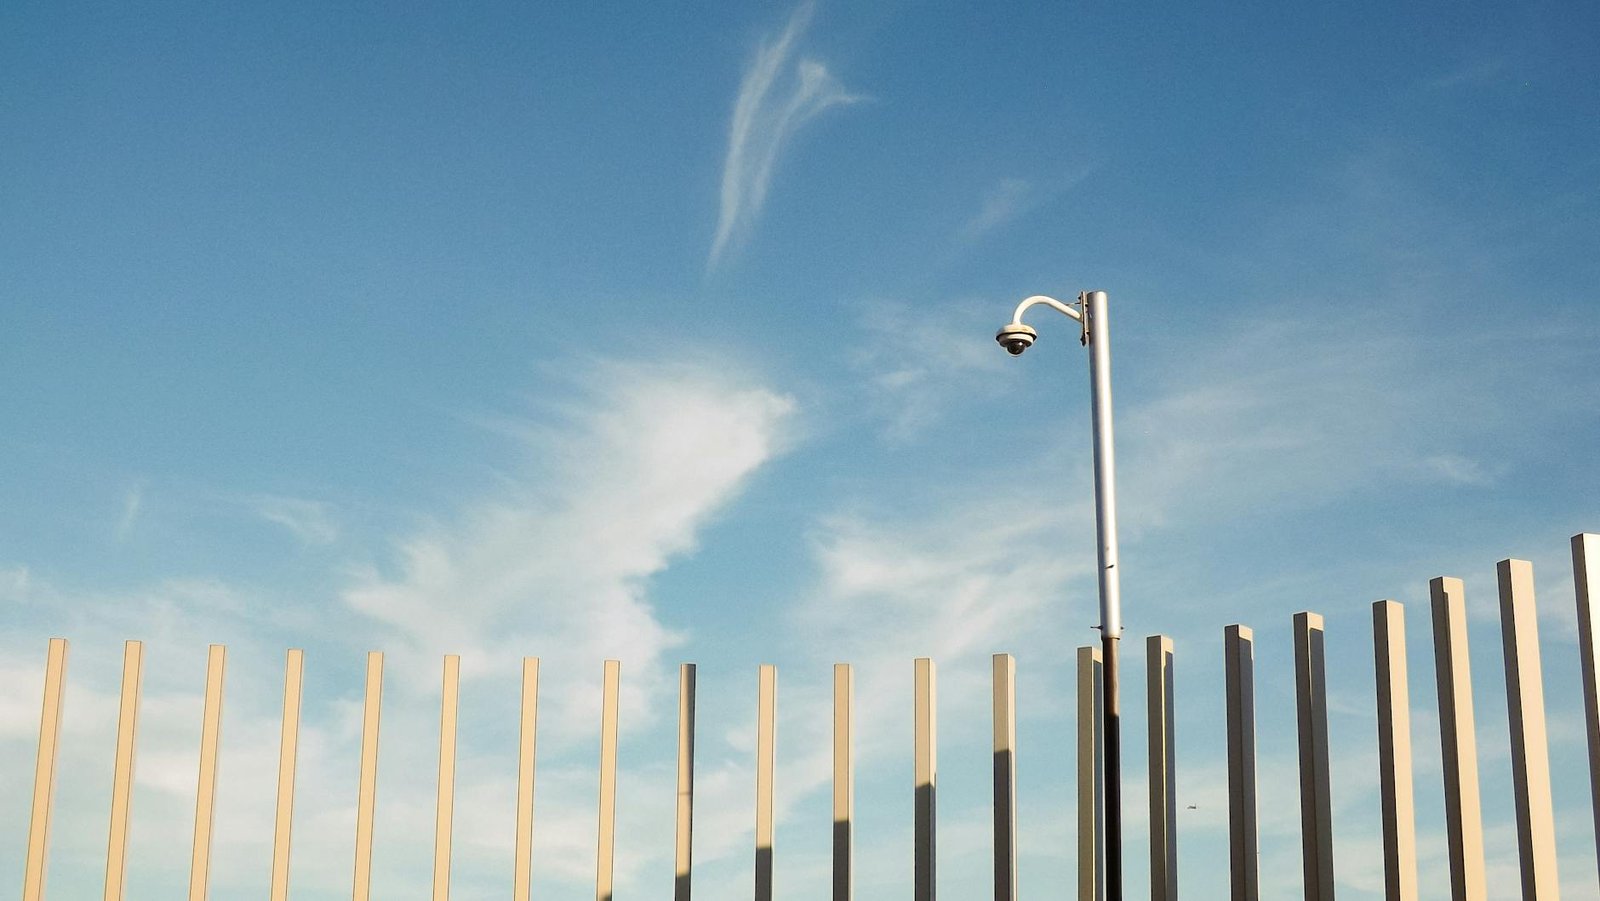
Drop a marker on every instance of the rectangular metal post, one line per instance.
(683, 851)
(1244, 846)
(1394, 752)
(1586, 585)
(1091, 798)
(288, 747)
(926, 748)
(527, 748)
(844, 784)
(1530, 755)
(122, 778)
(1163, 769)
(608, 783)
(445, 802)
(367, 787)
(1005, 777)
(44, 771)
(206, 784)
(766, 763)
(1458, 740)
(1316, 799)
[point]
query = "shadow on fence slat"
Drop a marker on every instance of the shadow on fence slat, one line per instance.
(1530, 757)
(1394, 752)
(1586, 584)
(1316, 792)
(1458, 740)
(1005, 777)
(1163, 780)
(844, 785)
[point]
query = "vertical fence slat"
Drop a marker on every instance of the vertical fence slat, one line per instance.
(206, 784)
(606, 844)
(122, 774)
(844, 784)
(683, 852)
(1394, 752)
(44, 771)
(367, 787)
(766, 760)
(926, 752)
(1586, 585)
(288, 745)
(527, 746)
(1316, 800)
(1005, 777)
(1243, 843)
(1163, 769)
(445, 804)
(1530, 756)
(1091, 797)
(1458, 740)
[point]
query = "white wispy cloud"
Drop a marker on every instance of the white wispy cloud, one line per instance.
(777, 96)
(1281, 411)
(1457, 469)
(556, 563)
(921, 362)
(1001, 203)
(132, 506)
(311, 522)
(1012, 198)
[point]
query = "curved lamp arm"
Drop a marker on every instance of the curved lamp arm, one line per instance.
(1047, 301)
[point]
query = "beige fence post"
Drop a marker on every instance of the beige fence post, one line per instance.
(527, 748)
(367, 787)
(1530, 756)
(122, 779)
(683, 860)
(1163, 769)
(206, 784)
(1586, 583)
(766, 761)
(1394, 752)
(844, 783)
(1239, 666)
(288, 745)
(1091, 788)
(1005, 777)
(44, 771)
(1458, 740)
(606, 845)
(1316, 798)
(926, 748)
(445, 803)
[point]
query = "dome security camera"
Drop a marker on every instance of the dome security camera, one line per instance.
(1016, 338)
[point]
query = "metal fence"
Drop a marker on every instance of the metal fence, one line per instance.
(1524, 695)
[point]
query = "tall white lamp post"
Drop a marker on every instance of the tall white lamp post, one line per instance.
(1090, 312)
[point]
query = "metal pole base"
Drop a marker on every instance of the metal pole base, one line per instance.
(1113, 765)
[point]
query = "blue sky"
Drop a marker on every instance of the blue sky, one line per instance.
(629, 331)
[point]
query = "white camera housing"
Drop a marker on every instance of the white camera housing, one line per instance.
(1016, 338)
